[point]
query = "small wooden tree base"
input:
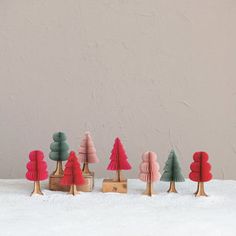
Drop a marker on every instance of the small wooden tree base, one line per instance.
(89, 183)
(149, 190)
(37, 188)
(200, 190)
(73, 190)
(110, 185)
(54, 183)
(172, 188)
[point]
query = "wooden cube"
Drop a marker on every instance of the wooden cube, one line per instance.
(89, 183)
(54, 183)
(110, 185)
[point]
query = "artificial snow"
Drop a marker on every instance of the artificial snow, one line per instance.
(132, 214)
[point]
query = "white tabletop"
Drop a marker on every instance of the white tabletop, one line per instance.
(97, 213)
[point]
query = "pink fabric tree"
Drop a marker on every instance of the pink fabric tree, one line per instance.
(118, 159)
(149, 171)
(36, 170)
(87, 153)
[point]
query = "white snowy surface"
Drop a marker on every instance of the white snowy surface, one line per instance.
(97, 213)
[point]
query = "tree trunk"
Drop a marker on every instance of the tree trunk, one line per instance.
(73, 190)
(200, 190)
(149, 189)
(37, 189)
(86, 168)
(59, 169)
(172, 188)
(119, 176)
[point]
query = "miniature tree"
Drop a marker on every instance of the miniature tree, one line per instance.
(200, 171)
(118, 160)
(87, 153)
(59, 151)
(72, 174)
(149, 171)
(36, 170)
(172, 172)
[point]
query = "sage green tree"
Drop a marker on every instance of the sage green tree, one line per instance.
(172, 171)
(59, 151)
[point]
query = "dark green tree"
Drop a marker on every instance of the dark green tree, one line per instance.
(172, 171)
(59, 151)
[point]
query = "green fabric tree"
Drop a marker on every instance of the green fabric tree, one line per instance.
(59, 151)
(172, 172)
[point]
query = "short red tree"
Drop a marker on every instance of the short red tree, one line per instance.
(200, 171)
(149, 171)
(118, 159)
(87, 153)
(72, 174)
(36, 170)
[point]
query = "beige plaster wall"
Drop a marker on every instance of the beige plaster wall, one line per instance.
(159, 74)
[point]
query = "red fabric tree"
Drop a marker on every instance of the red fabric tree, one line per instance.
(119, 159)
(200, 171)
(36, 170)
(72, 174)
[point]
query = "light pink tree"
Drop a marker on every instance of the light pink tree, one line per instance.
(87, 153)
(149, 171)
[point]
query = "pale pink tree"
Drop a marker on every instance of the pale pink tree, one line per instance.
(87, 153)
(149, 171)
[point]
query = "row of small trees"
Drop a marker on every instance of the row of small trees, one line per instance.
(149, 168)
(200, 171)
(59, 153)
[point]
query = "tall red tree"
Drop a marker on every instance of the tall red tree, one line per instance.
(200, 171)
(72, 174)
(118, 159)
(36, 170)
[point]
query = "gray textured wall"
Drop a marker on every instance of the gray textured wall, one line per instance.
(159, 74)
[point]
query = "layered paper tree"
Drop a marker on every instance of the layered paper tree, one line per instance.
(36, 170)
(87, 153)
(118, 160)
(149, 171)
(72, 174)
(59, 151)
(172, 172)
(200, 171)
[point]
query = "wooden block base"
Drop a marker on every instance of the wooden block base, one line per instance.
(54, 183)
(89, 183)
(110, 185)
